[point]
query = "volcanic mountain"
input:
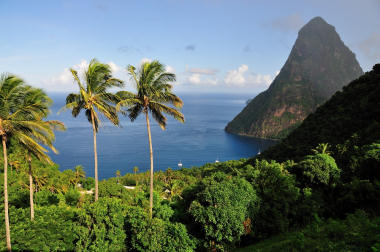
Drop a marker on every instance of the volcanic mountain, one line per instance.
(319, 64)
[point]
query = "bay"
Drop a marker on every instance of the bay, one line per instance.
(201, 139)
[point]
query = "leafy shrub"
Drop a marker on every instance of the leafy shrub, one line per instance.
(145, 234)
(88, 183)
(278, 195)
(45, 198)
(101, 226)
(319, 169)
(72, 197)
(221, 207)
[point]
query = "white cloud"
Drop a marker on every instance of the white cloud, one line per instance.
(115, 68)
(236, 77)
(198, 79)
(170, 69)
(201, 76)
(241, 77)
(143, 60)
(195, 79)
(64, 80)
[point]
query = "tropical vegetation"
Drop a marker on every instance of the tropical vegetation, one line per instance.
(22, 110)
(319, 194)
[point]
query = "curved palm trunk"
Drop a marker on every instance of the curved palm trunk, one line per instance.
(151, 167)
(31, 190)
(95, 159)
(7, 228)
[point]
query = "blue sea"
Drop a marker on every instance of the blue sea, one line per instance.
(201, 139)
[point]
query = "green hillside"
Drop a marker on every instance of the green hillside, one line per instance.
(354, 112)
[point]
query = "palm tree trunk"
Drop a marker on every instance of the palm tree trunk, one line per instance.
(151, 167)
(7, 228)
(31, 189)
(95, 158)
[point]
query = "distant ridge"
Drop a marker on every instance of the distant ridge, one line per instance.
(319, 64)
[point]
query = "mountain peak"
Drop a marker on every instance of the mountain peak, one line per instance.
(317, 20)
(317, 27)
(319, 64)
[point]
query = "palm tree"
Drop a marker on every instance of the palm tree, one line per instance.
(154, 95)
(20, 120)
(94, 98)
(322, 148)
(135, 169)
(79, 173)
(47, 138)
(44, 135)
(118, 174)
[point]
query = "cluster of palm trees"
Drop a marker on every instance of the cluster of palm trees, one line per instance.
(153, 96)
(24, 109)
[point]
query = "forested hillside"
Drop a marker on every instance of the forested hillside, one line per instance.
(350, 115)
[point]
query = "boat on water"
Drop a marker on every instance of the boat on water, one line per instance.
(180, 164)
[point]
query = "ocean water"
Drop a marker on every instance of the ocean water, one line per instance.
(201, 139)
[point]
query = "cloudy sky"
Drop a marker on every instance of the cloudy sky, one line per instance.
(211, 45)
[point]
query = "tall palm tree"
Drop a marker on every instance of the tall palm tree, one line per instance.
(44, 135)
(20, 120)
(154, 95)
(94, 99)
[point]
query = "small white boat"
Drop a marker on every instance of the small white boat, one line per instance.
(180, 164)
(217, 160)
(258, 153)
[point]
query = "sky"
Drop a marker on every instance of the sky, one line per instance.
(226, 46)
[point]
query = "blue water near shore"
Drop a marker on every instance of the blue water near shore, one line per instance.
(201, 139)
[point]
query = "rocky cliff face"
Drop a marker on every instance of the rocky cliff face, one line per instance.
(318, 66)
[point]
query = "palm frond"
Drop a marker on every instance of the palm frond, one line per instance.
(135, 111)
(168, 110)
(158, 117)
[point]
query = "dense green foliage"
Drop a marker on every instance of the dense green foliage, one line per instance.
(325, 199)
(222, 204)
(356, 233)
(216, 206)
(52, 229)
(318, 66)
